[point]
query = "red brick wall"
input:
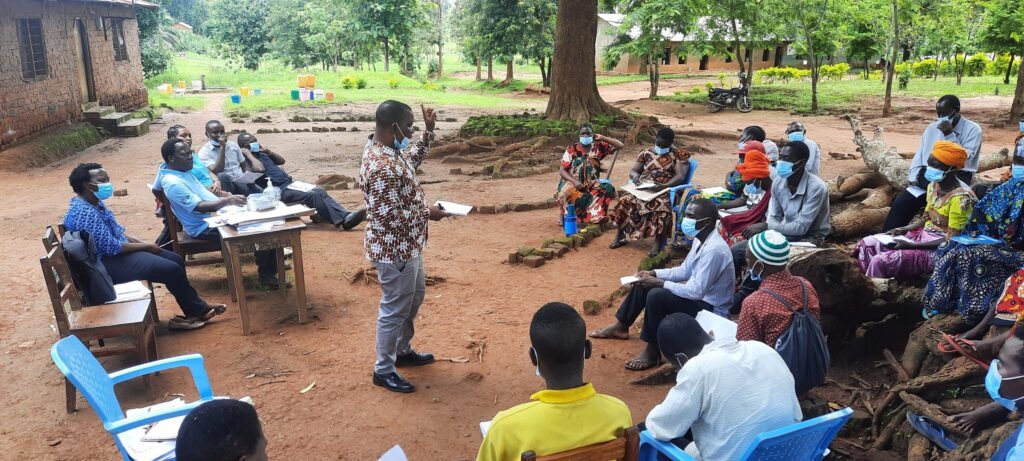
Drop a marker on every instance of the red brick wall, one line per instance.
(27, 108)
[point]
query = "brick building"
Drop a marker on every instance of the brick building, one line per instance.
(58, 56)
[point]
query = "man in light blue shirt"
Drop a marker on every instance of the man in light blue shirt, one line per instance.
(953, 127)
(228, 161)
(704, 281)
(191, 203)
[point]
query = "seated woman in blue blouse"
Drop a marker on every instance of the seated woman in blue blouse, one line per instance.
(125, 258)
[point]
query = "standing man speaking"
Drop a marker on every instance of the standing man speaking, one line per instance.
(396, 234)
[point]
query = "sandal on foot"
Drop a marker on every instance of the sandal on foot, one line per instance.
(183, 324)
(641, 365)
(950, 345)
(617, 244)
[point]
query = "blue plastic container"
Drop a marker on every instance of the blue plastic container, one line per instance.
(257, 91)
(236, 99)
(570, 220)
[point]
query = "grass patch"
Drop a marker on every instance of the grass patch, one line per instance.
(614, 79)
(534, 125)
(148, 112)
(158, 99)
(51, 147)
(838, 96)
(282, 100)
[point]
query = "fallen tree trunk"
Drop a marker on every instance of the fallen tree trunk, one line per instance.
(884, 159)
(858, 220)
(838, 281)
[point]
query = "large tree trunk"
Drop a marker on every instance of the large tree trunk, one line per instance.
(736, 43)
(574, 93)
(478, 68)
(886, 161)
(653, 75)
(1018, 96)
(508, 71)
(891, 65)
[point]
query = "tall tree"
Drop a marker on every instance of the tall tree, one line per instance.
(288, 28)
(890, 64)
(574, 93)
(819, 28)
(958, 22)
(237, 27)
(466, 25)
(647, 32)
(504, 31)
(191, 12)
(1002, 30)
(743, 24)
(388, 22)
(539, 36)
(868, 24)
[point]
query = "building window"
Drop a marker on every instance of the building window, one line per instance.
(682, 59)
(32, 49)
(728, 55)
(120, 46)
(766, 55)
(704, 62)
(665, 57)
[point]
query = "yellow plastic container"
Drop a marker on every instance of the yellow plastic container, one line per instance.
(330, 96)
(302, 81)
(244, 90)
(311, 80)
(181, 84)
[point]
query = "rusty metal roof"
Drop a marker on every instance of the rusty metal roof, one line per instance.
(139, 3)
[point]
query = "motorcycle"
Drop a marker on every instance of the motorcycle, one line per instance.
(720, 98)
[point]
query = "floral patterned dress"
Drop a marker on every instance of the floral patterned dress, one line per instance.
(585, 165)
(639, 219)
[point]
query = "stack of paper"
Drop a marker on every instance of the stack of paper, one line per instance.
(259, 226)
(301, 186)
(131, 291)
(717, 326)
(453, 208)
(628, 280)
(135, 442)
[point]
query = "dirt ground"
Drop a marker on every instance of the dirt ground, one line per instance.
(482, 312)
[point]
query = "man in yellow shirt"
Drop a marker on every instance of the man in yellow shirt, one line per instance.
(569, 413)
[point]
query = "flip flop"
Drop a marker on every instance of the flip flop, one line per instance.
(931, 430)
(641, 365)
(180, 324)
(949, 341)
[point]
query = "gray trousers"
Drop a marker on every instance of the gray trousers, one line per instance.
(402, 288)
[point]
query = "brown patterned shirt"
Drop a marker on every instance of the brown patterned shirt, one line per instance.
(397, 212)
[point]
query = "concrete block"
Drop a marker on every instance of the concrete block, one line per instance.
(559, 249)
(514, 258)
(503, 208)
(534, 261)
(455, 171)
(486, 209)
(547, 253)
(522, 207)
(591, 307)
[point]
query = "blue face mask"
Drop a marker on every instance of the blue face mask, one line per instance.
(661, 150)
(254, 146)
(104, 190)
(796, 136)
(751, 189)
(933, 174)
(586, 140)
(689, 227)
(948, 118)
(1022, 127)
(993, 380)
(755, 277)
(784, 169)
(740, 145)
(1017, 171)
(404, 143)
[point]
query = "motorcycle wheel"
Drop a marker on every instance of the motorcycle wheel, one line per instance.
(744, 104)
(712, 107)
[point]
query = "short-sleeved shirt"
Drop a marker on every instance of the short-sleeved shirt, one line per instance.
(948, 213)
(555, 421)
(184, 193)
(277, 175)
(584, 163)
(99, 222)
(233, 158)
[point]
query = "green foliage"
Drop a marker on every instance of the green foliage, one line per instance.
(925, 68)
(1003, 28)
(191, 12)
(348, 82)
(155, 56)
(771, 75)
(528, 125)
(709, 85)
(997, 67)
(361, 83)
(431, 86)
(975, 65)
(392, 83)
(834, 72)
(696, 90)
(947, 69)
(191, 43)
(63, 144)
(237, 28)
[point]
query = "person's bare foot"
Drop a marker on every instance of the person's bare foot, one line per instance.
(615, 331)
(647, 359)
(988, 349)
(979, 418)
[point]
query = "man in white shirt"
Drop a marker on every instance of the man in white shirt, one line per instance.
(796, 131)
(726, 393)
(228, 161)
(704, 281)
(950, 126)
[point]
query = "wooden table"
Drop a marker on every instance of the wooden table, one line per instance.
(234, 244)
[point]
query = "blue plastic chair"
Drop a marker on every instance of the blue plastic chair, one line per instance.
(808, 440)
(88, 376)
(677, 208)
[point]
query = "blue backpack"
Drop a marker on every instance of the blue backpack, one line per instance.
(803, 346)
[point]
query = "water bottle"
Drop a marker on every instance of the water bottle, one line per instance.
(570, 220)
(273, 191)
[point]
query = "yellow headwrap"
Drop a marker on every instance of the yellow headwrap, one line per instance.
(950, 153)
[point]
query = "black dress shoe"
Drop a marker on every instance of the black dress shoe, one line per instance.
(393, 382)
(413, 359)
(353, 219)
